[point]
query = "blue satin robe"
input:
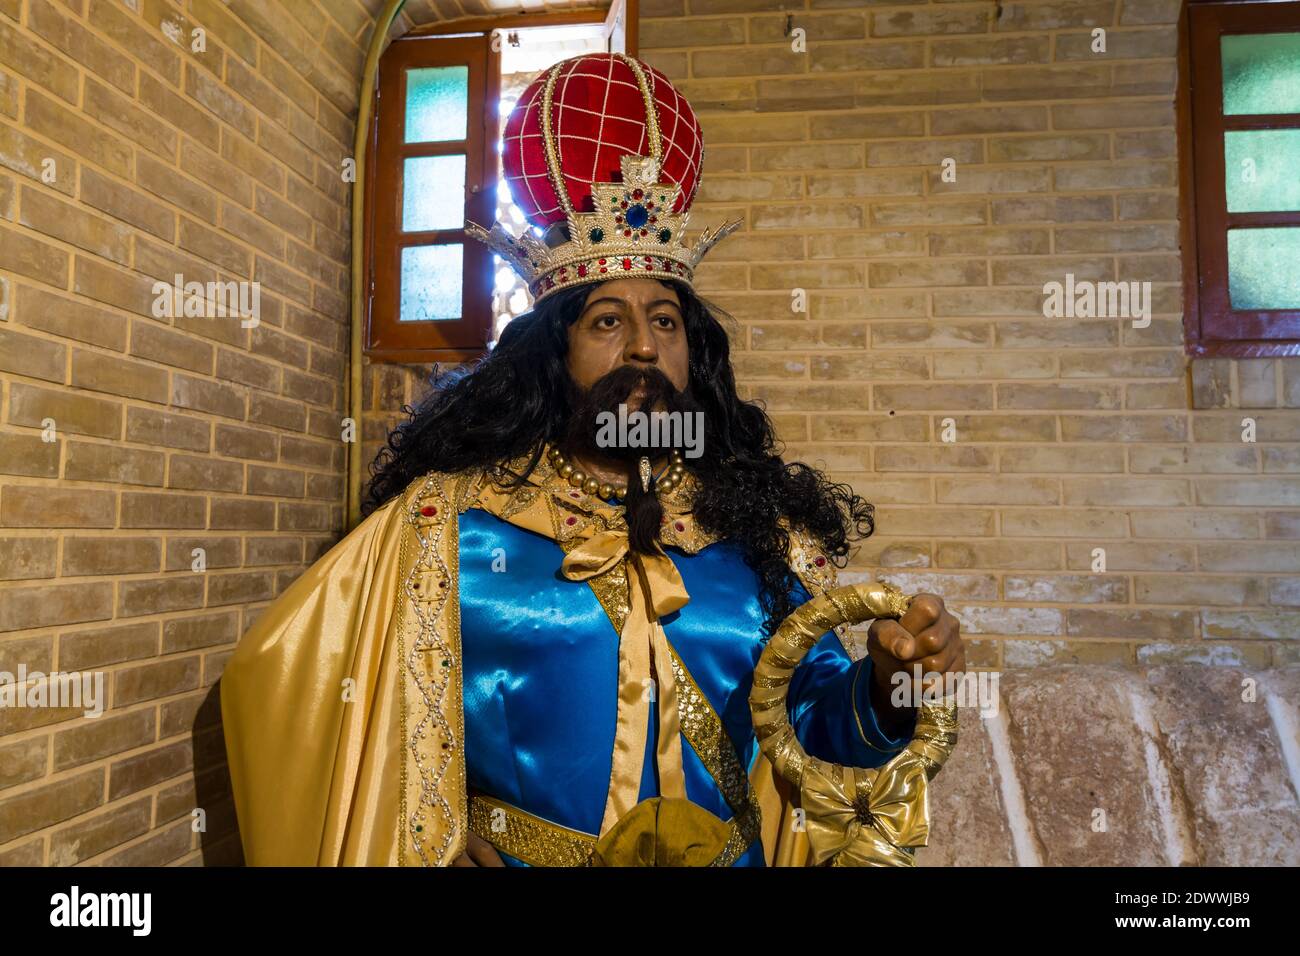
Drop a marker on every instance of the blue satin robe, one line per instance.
(541, 678)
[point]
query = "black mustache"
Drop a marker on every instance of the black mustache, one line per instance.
(614, 389)
(620, 383)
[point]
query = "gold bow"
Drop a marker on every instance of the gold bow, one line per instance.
(867, 817)
(603, 551)
(655, 588)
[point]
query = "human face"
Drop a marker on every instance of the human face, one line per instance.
(635, 322)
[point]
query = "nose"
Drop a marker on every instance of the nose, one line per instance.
(641, 347)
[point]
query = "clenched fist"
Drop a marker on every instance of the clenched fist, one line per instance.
(927, 635)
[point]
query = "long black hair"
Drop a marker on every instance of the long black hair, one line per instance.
(507, 404)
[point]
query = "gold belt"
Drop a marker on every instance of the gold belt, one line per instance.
(539, 842)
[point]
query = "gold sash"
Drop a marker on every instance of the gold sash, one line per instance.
(656, 590)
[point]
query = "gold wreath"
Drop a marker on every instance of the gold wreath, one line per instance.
(853, 816)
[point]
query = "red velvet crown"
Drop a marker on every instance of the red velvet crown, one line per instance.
(598, 116)
(603, 144)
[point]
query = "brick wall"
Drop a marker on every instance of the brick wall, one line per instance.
(926, 304)
(168, 434)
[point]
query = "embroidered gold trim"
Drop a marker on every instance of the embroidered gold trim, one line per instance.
(539, 842)
(432, 715)
(677, 504)
(526, 837)
(745, 827)
(817, 579)
(403, 710)
(704, 731)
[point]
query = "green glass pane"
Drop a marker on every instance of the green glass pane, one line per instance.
(1262, 268)
(431, 283)
(1262, 168)
(1261, 73)
(437, 103)
(433, 193)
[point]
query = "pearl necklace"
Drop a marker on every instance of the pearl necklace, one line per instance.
(593, 486)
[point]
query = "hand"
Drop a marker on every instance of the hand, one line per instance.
(478, 852)
(927, 635)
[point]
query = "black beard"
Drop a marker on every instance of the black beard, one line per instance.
(606, 394)
(643, 510)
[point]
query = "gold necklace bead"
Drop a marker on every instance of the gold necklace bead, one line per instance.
(578, 478)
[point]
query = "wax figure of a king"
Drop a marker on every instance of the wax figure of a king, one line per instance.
(539, 647)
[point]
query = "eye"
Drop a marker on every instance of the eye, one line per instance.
(606, 321)
(666, 320)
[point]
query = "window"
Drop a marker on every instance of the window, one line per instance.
(435, 294)
(1240, 137)
(434, 166)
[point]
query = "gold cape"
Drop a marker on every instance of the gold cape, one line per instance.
(342, 705)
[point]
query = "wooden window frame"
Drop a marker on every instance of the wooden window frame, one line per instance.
(468, 41)
(1211, 326)
(387, 338)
